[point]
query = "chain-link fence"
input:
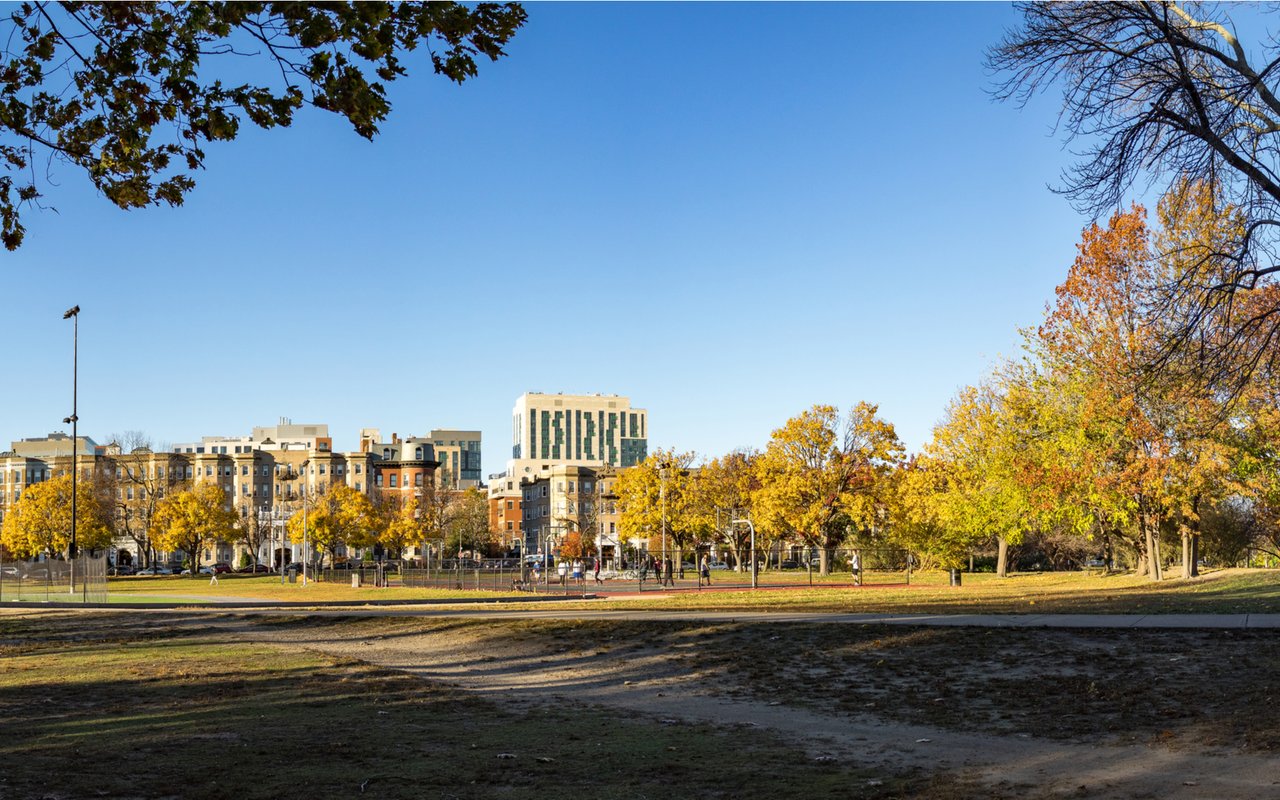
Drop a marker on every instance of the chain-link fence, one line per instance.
(777, 567)
(82, 580)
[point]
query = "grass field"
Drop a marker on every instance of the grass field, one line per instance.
(1218, 592)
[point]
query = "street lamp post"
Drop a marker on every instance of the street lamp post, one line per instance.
(73, 314)
(662, 493)
(752, 526)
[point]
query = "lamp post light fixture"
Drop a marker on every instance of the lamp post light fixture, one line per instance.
(73, 314)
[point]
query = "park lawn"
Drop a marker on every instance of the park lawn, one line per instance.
(1230, 591)
(130, 708)
(181, 588)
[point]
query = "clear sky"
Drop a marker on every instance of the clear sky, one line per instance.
(747, 208)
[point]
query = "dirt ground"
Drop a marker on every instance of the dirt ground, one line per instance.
(1028, 713)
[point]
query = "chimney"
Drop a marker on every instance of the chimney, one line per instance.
(395, 438)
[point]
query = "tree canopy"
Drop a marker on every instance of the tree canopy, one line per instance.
(1161, 93)
(40, 522)
(131, 92)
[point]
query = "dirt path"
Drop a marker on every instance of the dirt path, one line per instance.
(668, 686)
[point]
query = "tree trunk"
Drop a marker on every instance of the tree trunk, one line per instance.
(1186, 553)
(824, 561)
(1002, 557)
(1193, 558)
(1154, 569)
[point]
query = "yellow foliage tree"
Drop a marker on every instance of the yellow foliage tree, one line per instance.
(340, 516)
(820, 475)
(193, 518)
(664, 480)
(40, 522)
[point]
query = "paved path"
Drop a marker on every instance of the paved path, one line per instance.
(491, 610)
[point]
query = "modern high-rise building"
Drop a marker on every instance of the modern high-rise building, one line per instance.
(589, 430)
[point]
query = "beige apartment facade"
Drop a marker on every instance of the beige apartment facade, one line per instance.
(569, 498)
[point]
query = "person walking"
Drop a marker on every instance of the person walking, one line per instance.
(578, 568)
(596, 573)
(562, 572)
(704, 570)
(667, 579)
(855, 566)
(213, 576)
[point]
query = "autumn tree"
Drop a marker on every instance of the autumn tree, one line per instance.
(728, 487)
(1098, 331)
(468, 523)
(659, 496)
(821, 474)
(131, 93)
(339, 516)
(193, 518)
(1165, 92)
(40, 522)
(402, 524)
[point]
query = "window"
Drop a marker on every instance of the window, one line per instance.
(393, 480)
(570, 487)
(377, 479)
(208, 470)
(417, 479)
(508, 505)
(322, 469)
(357, 486)
(337, 470)
(358, 466)
(509, 526)
(244, 469)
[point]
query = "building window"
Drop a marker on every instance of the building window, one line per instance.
(393, 480)
(417, 479)
(377, 480)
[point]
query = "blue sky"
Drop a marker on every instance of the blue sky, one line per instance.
(752, 208)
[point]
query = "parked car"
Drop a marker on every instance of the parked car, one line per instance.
(154, 571)
(255, 569)
(202, 571)
(221, 567)
(789, 563)
(122, 569)
(1095, 563)
(718, 565)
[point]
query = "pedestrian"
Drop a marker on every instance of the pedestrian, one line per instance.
(596, 573)
(578, 568)
(855, 566)
(213, 576)
(667, 579)
(562, 572)
(704, 570)
(537, 575)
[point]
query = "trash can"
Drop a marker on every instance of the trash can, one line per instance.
(293, 576)
(955, 577)
(355, 580)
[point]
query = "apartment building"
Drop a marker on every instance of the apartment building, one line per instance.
(590, 430)
(568, 498)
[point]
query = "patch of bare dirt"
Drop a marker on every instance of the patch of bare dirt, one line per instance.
(900, 713)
